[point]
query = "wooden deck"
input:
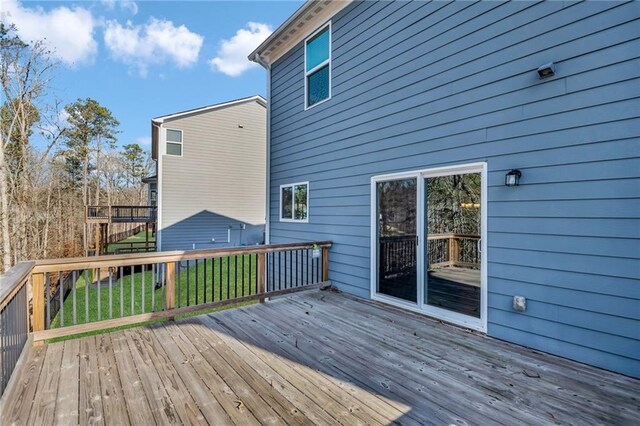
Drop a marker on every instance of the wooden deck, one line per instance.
(314, 357)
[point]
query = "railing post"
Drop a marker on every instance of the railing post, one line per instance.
(454, 251)
(325, 264)
(170, 286)
(37, 322)
(261, 277)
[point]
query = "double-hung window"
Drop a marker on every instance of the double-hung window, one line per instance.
(294, 202)
(317, 67)
(174, 142)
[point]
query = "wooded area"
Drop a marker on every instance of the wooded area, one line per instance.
(55, 159)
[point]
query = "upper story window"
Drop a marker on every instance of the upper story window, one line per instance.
(174, 142)
(294, 202)
(317, 67)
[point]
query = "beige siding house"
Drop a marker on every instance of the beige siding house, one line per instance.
(211, 173)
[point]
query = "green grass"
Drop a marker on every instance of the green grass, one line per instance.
(188, 292)
(138, 240)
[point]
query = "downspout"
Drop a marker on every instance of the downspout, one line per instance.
(267, 227)
(159, 185)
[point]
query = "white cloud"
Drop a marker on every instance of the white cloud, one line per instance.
(68, 31)
(232, 55)
(156, 42)
(130, 5)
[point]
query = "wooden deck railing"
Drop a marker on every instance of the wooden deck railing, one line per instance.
(123, 247)
(14, 318)
(398, 254)
(111, 291)
(120, 214)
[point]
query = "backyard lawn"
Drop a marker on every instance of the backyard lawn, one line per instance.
(134, 241)
(210, 280)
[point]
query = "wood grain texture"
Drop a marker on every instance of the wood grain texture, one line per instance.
(314, 357)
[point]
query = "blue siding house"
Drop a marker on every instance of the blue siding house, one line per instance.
(478, 162)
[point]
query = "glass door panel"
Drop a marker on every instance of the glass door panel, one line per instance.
(453, 221)
(397, 229)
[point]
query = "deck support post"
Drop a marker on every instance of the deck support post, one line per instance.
(37, 320)
(170, 286)
(325, 264)
(261, 276)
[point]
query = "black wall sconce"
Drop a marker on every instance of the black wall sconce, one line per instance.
(547, 70)
(512, 178)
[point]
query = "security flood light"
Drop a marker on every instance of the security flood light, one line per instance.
(547, 70)
(513, 178)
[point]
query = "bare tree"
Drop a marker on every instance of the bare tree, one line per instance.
(25, 73)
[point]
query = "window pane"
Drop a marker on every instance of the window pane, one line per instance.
(318, 49)
(318, 86)
(174, 135)
(174, 148)
(287, 195)
(300, 202)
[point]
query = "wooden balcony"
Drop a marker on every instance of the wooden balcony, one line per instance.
(304, 356)
(120, 214)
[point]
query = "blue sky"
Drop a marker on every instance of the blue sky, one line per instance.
(149, 58)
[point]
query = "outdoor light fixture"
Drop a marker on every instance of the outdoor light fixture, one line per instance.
(513, 178)
(547, 70)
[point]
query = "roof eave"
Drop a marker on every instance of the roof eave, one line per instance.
(255, 55)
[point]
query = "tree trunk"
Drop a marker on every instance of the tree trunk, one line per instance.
(4, 212)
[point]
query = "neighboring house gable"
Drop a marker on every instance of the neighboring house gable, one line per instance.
(211, 175)
(422, 85)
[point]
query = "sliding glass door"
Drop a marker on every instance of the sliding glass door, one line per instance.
(396, 234)
(427, 239)
(453, 228)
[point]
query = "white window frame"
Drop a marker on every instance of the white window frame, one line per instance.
(479, 324)
(168, 141)
(293, 202)
(316, 68)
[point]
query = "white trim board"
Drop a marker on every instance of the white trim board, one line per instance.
(479, 324)
(259, 99)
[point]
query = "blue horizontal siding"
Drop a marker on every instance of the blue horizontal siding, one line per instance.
(426, 84)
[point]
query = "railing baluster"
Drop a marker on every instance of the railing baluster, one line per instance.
(121, 278)
(235, 273)
(228, 277)
(143, 287)
(153, 287)
(250, 256)
(133, 285)
(74, 279)
(86, 296)
(162, 273)
(188, 282)
(280, 269)
(204, 278)
(272, 284)
(196, 281)
(243, 258)
(310, 268)
(47, 280)
(297, 269)
(61, 298)
(179, 283)
(99, 297)
(220, 278)
(110, 293)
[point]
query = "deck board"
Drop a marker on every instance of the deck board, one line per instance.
(310, 358)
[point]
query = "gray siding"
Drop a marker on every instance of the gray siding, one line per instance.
(419, 84)
(219, 182)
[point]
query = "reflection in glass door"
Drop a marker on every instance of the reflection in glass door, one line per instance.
(397, 237)
(453, 228)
